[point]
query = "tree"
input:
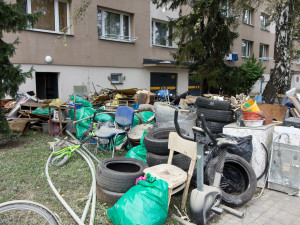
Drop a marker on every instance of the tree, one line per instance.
(285, 14)
(204, 37)
(12, 20)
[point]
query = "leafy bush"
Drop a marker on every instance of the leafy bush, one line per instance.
(241, 79)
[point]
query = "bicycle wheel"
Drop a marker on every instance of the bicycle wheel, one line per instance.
(56, 161)
(26, 212)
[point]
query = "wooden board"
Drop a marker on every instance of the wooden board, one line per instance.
(20, 125)
(277, 112)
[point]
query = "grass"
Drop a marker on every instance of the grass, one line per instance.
(22, 176)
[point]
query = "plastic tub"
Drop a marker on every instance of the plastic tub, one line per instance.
(250, 106)
(252, 115)
(253, 123)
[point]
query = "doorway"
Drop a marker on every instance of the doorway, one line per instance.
(163, 81)
(46, 85)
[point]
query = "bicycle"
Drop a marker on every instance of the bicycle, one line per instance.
(26, 212)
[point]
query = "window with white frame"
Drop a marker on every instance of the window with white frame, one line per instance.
(226, 8)
(162, 34)
(113, 25)
(263, 21)
(263, 52)
(247, 16)
(54, 15)
(246, 48)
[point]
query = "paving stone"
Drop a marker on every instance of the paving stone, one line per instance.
(273, 208)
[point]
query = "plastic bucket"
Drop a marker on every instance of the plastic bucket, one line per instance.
(252, 115)
(250, 106)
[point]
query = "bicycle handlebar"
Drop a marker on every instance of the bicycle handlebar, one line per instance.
(206, 129)
(178, 128)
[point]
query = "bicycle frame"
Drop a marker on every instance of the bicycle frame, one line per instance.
(66, 151)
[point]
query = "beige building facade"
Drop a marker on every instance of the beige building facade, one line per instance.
(121, 42)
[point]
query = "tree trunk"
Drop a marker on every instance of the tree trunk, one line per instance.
(4, 128)
(280, 78)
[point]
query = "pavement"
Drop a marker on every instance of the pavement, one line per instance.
(272, 208)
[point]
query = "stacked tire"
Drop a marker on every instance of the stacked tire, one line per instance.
(217, 113)
(115, 176)
(156, 143)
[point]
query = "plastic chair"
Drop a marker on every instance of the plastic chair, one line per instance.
(176, 178)
(122, 125)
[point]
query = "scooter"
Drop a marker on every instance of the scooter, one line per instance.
(205, 201)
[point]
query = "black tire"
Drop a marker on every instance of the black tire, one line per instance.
(214, 127)
(179, 160)
(156, 141)
(237, 190)
(212, 104)
(224, 116)
(106, 196)
(56, 161)
(119, 174)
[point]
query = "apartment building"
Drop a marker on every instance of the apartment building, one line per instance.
(117, 43)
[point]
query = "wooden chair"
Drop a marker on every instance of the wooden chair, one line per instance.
(176, 178)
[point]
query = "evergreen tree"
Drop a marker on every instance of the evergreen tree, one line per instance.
(12, 20)
(204, 37)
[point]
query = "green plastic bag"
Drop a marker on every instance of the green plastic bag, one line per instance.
(41, 111)
(144, 115)
(138, 152)
(146, 203)
(80, 100)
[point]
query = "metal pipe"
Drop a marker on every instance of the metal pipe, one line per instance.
(233, 211)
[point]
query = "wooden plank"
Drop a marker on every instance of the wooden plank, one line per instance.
(20, 125)
(277, 112)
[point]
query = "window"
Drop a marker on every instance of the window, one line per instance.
(113, 26)
(226, 8)
(263, 52)
(263, 21)
(246, 46)
(116, 78)
(162, 34)
(54, 16)
(247, 13)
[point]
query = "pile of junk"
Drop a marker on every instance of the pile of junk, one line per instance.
(212, 151)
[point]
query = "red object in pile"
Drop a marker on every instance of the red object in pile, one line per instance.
(252, 115)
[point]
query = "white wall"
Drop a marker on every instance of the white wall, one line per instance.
(78, 75)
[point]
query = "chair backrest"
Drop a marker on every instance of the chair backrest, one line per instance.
(183, 146)
(124, 116)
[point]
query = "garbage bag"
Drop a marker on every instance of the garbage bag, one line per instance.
(144, 116)
(41, 111)
(146, 203)
(164, 115)
(243, 148)
(80, 100)
(138, 152)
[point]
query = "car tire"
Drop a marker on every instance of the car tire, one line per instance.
(156, 141)
(179, 160)
(203, 102)
(214, 127)
(237, 190)
(224, 116)
(119, 174)
(106, 196)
